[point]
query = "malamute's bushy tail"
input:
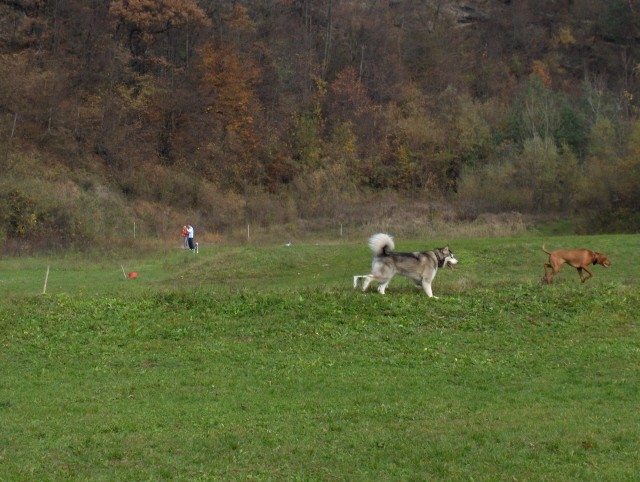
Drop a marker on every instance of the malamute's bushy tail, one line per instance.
(381, 243)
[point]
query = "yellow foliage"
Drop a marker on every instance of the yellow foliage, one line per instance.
(473, 129)
(140, 94)
(565, 36)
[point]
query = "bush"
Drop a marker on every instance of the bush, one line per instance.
(41, 214)
(614, 220)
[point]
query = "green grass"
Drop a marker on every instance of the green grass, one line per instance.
(264, 363)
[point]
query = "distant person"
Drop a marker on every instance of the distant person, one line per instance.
(185, 234)
(190, 237)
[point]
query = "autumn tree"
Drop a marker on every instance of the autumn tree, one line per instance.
(162, 37)
(158, 31)
(227, 82)
(348, 101)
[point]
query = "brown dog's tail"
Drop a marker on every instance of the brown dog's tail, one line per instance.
(543, 248)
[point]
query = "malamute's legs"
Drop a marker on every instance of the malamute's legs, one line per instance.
(367, 281)
(383, 282)
(426, 286)
(368, 278)
(365, 284)
(383, 286)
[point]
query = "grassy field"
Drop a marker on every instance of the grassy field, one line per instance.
(263, 363)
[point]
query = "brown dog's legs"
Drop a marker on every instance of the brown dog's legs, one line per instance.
(548, 276)
(584, 278)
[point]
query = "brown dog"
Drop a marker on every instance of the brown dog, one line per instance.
(578, 258)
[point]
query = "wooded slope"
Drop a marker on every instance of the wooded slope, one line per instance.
(274, 110)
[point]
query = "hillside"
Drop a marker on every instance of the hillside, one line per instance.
(288, 112)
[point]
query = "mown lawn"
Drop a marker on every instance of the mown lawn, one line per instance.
(264, 363)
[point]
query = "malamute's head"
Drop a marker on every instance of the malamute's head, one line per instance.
(449, 259)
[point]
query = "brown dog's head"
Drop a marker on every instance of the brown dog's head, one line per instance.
(600, 258)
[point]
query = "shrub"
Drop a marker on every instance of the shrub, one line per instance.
(42, 214)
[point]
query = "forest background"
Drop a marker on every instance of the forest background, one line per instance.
(226, 113)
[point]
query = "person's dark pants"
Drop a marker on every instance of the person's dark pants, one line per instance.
(191, 247)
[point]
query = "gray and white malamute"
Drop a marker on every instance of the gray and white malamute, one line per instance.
(420, 266)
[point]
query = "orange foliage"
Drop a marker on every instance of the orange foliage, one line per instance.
(230, 78)
(540, 69)
(153, 15)
(227, 80)
(240, 20)
(348, 94)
